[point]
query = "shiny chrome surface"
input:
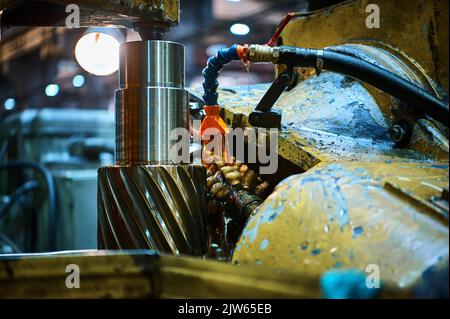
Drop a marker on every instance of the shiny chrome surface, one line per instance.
(151, 63)
(151, 101)
(145, 117)
(159, 207)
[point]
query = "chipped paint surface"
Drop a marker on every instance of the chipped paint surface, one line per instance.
(325, 119)
(366, 223)
(340, 213)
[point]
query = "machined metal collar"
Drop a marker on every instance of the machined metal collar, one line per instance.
(151, 101)
(263, 53)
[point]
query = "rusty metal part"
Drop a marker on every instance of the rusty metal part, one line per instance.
(142, 274)
(148, 17)
(160, 207)
(401, 134)
(234, 193)
(235, 174)
(350, 215)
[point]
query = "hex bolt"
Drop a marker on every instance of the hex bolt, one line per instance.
(398, 133)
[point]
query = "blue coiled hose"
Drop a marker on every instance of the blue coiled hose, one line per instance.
(211, 72)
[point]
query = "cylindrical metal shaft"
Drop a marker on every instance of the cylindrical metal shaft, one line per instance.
(151, 101)
(145, 201)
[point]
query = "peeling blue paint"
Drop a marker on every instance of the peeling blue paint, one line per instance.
(252, 232)
(440, 166)
(357, 231)
(272, 217)
(264, 244)
(315, 252)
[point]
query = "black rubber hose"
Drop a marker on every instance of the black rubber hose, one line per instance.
(47, 176)
(21, 191)
(361, 70)
(6, 240)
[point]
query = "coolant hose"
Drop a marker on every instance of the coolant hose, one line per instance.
(211, 72)
(376, 76)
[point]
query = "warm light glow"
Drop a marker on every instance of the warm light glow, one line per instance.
(98, 53)
(239, 29)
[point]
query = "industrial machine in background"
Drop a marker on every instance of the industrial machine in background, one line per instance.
(49, 170)
(362, 180)
(50, 156)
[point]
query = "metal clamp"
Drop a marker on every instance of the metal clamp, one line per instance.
(263, 115)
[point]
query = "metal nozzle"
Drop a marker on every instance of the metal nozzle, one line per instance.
(263, 53)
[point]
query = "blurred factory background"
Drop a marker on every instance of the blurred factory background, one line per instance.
(39, 68)
(56, 109)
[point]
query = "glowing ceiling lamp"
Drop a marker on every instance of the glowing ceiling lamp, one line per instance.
(240, 29)
(97, 52)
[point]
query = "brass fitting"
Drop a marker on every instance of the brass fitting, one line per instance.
(263, 53)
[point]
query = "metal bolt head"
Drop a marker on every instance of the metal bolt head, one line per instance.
(398, 133)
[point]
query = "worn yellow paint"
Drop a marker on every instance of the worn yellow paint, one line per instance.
(416, 27)
(344, 215)
(414, 37)
(141, 274)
